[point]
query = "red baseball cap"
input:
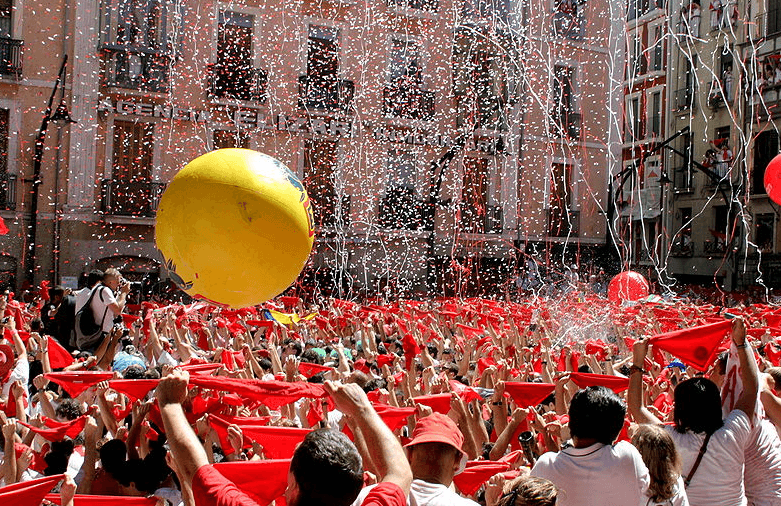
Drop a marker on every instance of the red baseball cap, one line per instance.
(437, 428)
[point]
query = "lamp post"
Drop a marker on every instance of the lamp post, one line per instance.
(59, 116)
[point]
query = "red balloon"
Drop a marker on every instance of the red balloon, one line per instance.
(628, 285)
(773, 179)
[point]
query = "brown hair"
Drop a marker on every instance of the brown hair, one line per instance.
(529, 491)
(775, 372)
(661, 458)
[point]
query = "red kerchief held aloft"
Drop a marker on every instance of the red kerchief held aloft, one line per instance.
(58, 356)
(440, 403)
(528, 394)
(477, 473)
(59, 430)
(696, 346)
(263, 480)
(29, 493)
(134, 388)
(271, 393)
(393, 417)
(105, 500)
(76, 382)
(277, 442)
(614, 383)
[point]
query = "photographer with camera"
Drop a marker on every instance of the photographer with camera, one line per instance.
(106, 307)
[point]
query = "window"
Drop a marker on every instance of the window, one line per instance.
(399, 207)
(562, 221)
(499, 10)
(765, 149)
(655, 118)
(564, 113)
(320, 163)
(657, 50)
(568, 18)
(131, 191)
(773, 24)
(636, 62)
(480, 83)
(6, 7)
(423, 5)
(764, 225)
(135, 43)
(321, 87)
(234, 76)
(633, 123)
(474, 195)
(230, 139)
(401, 169)
(404, 62)
(7, 181)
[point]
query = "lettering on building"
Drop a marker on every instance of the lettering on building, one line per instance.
(251, 119)
(165, 111)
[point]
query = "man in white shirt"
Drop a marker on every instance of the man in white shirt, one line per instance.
(104, 305)
(435, 456)
(596, 472)
(94, 277)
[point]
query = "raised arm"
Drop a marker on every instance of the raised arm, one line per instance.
(748, 368)
(635, 395)
(387, 455)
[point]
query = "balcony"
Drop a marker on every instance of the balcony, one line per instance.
(421, 5)
(137, 69)
(138, 199)
(407, 101)
(765, 25)
(683, 180)
(237, 82)
(494, 220)
(481, 113)
(568, 25)
(562, 223)
(683, 99)
(11, 57)
(714, 247)
(682, 248)
(323, 94)
(7, 192)
(401, 210)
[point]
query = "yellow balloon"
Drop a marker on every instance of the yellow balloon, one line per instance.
(235, 227)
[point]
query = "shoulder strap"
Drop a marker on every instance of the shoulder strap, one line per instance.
(703, 448)
(91, 295)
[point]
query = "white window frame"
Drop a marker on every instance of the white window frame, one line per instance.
(649, 93)
(576, 167)
(627, 108)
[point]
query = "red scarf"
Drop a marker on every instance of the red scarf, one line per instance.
(273, 394)
(263, 480)
(29, 493)
(527, 394)
(59, 430)
(615, 383)
(696, 346)
(76, 382)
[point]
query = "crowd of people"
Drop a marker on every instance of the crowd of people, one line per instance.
(571, 400)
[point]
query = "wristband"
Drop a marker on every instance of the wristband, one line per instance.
(635, 368)
(744, 345)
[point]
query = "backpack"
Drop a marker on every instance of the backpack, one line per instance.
(89, 331)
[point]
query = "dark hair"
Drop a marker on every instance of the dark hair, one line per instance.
(530, 491)
(57, 458)
(113, 454)
(598, 413)
(327, 469)
(295, 344)
(697, 406)
(94, 276)
(69, 409)
(133, 372)
(264, 363)
(311, 356)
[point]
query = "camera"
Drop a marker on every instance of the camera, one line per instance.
(5, 320)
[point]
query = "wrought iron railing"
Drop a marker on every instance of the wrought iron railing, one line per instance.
(8, 191)
(334, 95)
(237, 82)
(131, 198)
(407, 101)
(11, 57)
(137, 69)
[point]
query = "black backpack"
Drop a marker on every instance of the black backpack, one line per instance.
(88, 330)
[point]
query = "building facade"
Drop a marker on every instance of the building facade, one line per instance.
(433, 139)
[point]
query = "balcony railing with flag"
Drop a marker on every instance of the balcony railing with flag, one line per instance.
(137, 199)
(563, 223)
(8, 191)
(407, 101)
(334, 95)
(237, 82)
(11, 57)
(400, 209)
(137, 69)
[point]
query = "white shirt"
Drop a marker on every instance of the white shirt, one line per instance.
(598, 475)
(423, 493)
(719, 478)
(103, 298)
(762, 476)
(20, 372)
(82, 296)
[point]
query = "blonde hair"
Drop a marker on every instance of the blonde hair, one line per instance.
(661, 458)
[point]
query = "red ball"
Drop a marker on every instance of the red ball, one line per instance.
(628, 285)
(773, 179)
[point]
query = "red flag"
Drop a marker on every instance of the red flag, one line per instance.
(277, 442)
(528, 394)
(58, 356)
(309, 369)
(696, 346)
(3, 229)
(394, 418)
(411, 350)
(614, 383)
(70, 429)
(476, 473)
(75, 382)
(468, 394)
(263, 480)
(29, 493)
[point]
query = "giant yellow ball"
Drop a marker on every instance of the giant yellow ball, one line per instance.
(235, 227)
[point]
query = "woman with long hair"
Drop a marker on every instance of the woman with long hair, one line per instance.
(664, 466)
